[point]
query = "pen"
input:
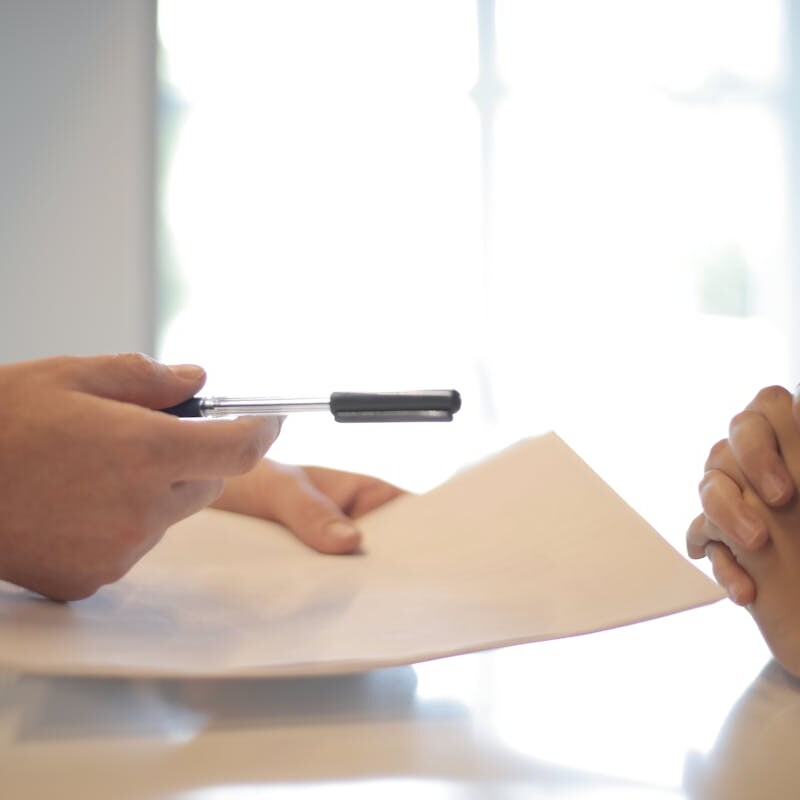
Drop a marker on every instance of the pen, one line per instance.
(428, 406)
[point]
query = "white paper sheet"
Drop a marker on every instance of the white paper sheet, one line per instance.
(527, 545)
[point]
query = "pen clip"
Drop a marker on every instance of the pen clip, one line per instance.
(427, 406)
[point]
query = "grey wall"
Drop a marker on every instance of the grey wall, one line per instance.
(77, 100)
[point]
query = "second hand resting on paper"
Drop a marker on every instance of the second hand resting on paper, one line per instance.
(91, 476)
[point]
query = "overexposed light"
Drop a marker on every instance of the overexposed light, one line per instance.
(324, 206)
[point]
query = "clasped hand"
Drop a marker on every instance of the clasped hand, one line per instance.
(750, 525)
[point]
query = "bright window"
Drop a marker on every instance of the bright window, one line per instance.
(573, 212)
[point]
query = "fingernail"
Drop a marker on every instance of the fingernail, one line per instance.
(188, 372)
(751, 530)
(772, 487)
(341, 530)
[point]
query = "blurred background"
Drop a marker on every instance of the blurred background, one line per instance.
(582, 216)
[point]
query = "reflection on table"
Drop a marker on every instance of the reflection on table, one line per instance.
(682, 707)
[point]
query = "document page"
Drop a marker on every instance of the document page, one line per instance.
(526, 545)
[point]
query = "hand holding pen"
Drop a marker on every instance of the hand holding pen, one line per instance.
(91, 478)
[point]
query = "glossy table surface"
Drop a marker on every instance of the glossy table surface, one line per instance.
(686, 706)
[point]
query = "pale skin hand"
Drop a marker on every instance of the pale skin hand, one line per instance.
(317, 504)
(728, 524)
(91, 477)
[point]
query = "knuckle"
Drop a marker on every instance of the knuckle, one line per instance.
(716, 454)
(697, 537)
(694, 527)
(258, 437)
(704, 483)
(742, 419)
(772, 395)
(708, 494)
(140, 366)
(249, 455)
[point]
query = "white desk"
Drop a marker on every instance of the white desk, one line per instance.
(673, 708)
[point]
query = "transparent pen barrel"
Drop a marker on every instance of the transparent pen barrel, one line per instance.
(259, 406)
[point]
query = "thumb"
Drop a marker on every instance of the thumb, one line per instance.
(315, 519)
(135, 378)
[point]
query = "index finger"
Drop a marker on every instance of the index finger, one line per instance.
(754, 443)
(354, 493)
(726, 510)
(220, 448)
